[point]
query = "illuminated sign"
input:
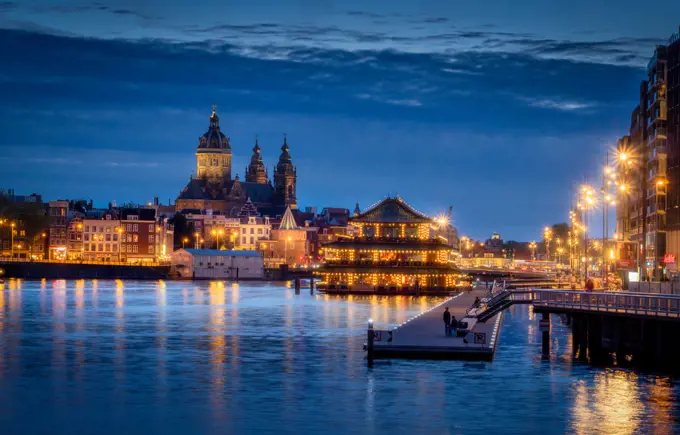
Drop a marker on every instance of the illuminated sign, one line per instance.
(669, 258)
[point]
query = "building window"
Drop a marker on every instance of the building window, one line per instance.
(150, 249)
(252, 240)
(135, 228)
(107, 247)
(243, 230)
(150, 238)
(128, 227)
(151, 228)
(100, 248)
(252, 230)
(87, 228)
(108, 237)
(87, 237)
(86, 247)
(135, 238)
(115, 237)
(115, 248)
(259, 231)
(243, 240)
(94, 228)
(135, 249)
(108, 229)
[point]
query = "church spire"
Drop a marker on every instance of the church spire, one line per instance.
(256, 172)
(285, 177)
(357, 210)
(214, 119)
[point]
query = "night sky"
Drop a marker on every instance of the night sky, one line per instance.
(496, 108)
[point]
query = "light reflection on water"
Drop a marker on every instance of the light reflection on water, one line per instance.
(111, 357)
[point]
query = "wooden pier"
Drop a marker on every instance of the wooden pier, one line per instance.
(423, 336)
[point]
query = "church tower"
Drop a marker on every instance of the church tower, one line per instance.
(256, 172)
(213, 155)
(285, 178)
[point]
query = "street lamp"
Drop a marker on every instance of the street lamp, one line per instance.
(547, 236)
(197, 236)
(532, 247)
(11, 229)
(233, 238)
(184, 240)
(220, 233)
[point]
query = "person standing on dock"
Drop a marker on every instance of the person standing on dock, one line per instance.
(447, 322)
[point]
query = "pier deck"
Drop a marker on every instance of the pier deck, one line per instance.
(422, 337)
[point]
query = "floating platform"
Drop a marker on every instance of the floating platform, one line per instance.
(423, 336)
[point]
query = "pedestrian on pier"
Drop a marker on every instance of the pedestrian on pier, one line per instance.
(447, 322)
(453, 329)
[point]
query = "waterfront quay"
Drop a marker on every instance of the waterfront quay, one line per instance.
(423, 336)
(607, 327)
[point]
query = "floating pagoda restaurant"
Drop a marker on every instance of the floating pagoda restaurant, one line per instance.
(396, 251)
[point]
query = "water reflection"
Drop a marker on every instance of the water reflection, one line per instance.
(257, 358)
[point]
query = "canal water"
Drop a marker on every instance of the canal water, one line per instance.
(126, 357)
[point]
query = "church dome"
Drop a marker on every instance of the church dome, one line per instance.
(214, 139)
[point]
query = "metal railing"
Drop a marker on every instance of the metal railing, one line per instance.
(610, 302)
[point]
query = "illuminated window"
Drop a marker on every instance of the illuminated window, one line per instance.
(150, 238)
(135, 238)
(150, 249)
(151, 228)
(107, 247)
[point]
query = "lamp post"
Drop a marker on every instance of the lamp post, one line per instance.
(547, 236)
(587, 202)
(234, 234)
(184, 240)
(220, 233)
(532, 246)
(196, 235)
(11, 230)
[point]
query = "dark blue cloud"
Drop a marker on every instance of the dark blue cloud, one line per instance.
(119, 119)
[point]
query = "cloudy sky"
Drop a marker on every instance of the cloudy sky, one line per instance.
(498, 108)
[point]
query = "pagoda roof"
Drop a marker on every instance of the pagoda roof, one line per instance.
(391, 210)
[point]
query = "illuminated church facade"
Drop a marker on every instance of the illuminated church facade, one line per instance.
(213, 188)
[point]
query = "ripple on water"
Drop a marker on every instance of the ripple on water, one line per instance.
(112, 357)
